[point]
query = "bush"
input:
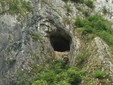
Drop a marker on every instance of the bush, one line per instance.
(63, 76)
(75, 76)
(68, 7)
(99, 74)
(89, 3)
(107, 37)
(105, 10)
(79, 22)
(94, 22)
(85, 13)
(56, 74)
(95, 25)
(87, 30)
(40, 82)
(97, 22)
(78, 1)
(35, 37)
(63, 83)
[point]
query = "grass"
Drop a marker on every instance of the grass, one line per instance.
(20, 7)
(57, 74)
(68, 7)
(105, 10)
(99, 74)
(78, 1)
(89, 3)
(35, 37)
(94, 23)
(85, 13)
(97, 26)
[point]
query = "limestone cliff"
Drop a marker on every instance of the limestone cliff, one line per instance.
(49, 33)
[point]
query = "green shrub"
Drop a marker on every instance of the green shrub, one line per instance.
(99, 74)
(63, 83)
(87, 30)
(75, 76)
(68, 7)
(105, 11)
(89, 3)
(106, 37)
(40, 82)
(49, 76)
(85, 13)
(79, 22)
(56, 74)
(78, 1)
(97, 22)
(35, 37)
(95, 25)
(59, 75)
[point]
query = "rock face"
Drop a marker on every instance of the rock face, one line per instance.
(42, 35)
(100, 58)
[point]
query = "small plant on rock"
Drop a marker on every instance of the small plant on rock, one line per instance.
(99, 74)
(89, 3)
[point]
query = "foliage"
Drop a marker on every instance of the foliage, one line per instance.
(63, 83)
(89, 3)
(59, 74)
(79, 22)
(98, 23)
(35, 37)
(97, 26)
(105, 10)
(78, 1)
(99, 74)
(21, 7)
(68, 7)
(40, 82)
(85, 13)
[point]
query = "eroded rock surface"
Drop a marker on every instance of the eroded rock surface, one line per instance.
(28, 41)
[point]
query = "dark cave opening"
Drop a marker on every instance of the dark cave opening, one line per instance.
(59, 42)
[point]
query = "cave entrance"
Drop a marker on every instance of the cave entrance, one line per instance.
(60, 41)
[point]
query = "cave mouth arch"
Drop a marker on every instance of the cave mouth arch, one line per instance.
(60, 41)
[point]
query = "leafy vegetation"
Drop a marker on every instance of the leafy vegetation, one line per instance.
(105, 10)
(68, 7)
(99, 74)
(95, 25)
(78, 1)
(85, 13)
(58, 73)
(35, 37)
(13, 7)
(89, 3)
